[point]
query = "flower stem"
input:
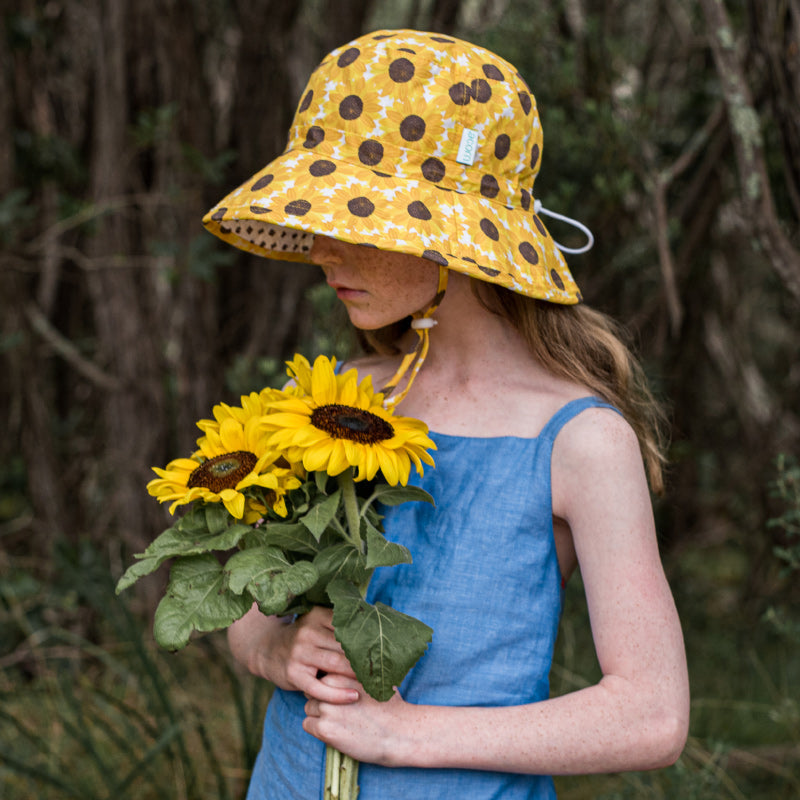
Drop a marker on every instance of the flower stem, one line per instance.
(341, 771)
(351, 512)
(341, 776)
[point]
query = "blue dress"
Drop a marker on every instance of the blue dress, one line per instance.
(485, 577)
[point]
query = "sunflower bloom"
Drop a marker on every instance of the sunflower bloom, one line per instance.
(233, 456)
(338, 423)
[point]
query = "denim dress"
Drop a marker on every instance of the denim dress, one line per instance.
(485, 577)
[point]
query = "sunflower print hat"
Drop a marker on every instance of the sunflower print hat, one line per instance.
(412, 142)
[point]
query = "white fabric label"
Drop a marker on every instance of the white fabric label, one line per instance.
(468, 149)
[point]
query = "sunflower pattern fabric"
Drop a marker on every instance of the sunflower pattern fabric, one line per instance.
(416, 143)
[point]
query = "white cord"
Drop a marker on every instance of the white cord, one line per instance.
(538, 208)
(423, 322)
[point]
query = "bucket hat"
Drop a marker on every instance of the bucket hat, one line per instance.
(411, 142)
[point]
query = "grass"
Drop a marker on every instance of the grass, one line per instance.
(122, 719)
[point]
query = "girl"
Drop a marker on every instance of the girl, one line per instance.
(409, 179)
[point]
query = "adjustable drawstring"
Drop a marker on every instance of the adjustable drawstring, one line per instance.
(538, 208)
(421, 324)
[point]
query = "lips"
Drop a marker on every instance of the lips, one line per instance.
(344, 292)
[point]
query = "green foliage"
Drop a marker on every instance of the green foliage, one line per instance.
(381, 643)
(785, 489)
(120, 720)
(220, 567)
(15, 211)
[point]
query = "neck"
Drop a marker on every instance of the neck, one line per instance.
(467, 338)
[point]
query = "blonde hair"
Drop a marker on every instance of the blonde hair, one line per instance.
(577, 343)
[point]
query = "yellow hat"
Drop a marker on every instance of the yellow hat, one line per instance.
(411, 142)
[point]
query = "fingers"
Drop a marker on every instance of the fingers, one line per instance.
(337, 690)
(337, 686)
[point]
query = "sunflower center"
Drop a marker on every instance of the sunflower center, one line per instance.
(346, 422)
(223, 472)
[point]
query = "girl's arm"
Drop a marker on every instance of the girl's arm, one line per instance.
(635, 718)
(293, 655)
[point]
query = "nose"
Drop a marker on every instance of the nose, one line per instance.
(326, 252)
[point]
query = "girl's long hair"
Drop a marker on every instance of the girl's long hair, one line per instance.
(577, 343)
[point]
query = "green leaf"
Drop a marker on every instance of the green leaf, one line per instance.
(321, 480)
(394, 495)
(342, 560)
(321, 514)
(382, 644)
(294, 537)
(271, 579)
(217, 517)
(383, 553)
(197, 599)
(176, 541)
(139, 570)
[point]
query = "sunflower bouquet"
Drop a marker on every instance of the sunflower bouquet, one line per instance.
(283, 496)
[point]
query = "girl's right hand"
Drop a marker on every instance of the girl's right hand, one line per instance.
(296, 655)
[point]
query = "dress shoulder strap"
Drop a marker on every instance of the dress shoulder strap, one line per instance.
(568, 412)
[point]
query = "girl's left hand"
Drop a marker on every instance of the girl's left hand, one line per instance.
(367, 730)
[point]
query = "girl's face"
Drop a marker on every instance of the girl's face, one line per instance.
(377, 287)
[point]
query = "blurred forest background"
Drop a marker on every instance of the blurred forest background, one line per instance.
(672, 128)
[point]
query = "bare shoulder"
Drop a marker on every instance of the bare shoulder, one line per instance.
(597, 433)
(597, 466)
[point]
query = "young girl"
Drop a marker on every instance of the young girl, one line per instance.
(409, 179)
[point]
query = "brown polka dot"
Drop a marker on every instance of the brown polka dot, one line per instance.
(321, 168)
(219, 214)
(469, 260)
(460, 94)
(419, 210)
(528, 252)
(492, 273)
(540, 225)
(525, 101)
(525, 199)
(381, 36)
(441, 40)
(436, 256)
(259, 210)
(407, 50)
(370, 152)
(351, 107)
(360, 206)
(306, 101)
(348, 57)
(412, 128)
(298, 207)
(401, 70)
(489, 186)
(534, 156)
(524, 82)
(481, 90)
(264, 180)
(490, 229)
(491, 72)
(557, 279)
(381, 174)
(433, 170)
(502, 144)
(314, 136)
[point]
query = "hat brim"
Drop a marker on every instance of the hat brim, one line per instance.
(305, 192)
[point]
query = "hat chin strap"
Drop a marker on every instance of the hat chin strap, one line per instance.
(412, 362)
